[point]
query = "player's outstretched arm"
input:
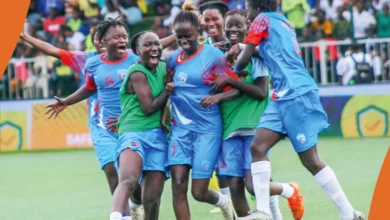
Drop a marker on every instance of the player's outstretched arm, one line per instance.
(41, 45)
(244, 58)
(55, 108)
(140, 85)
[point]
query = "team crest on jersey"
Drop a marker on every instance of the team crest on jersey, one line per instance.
(205, 165)
(301, 138)
(182, 77)
(121, 74)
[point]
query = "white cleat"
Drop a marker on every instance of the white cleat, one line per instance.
(228, 211)
(138, 213)
(358, 215)
(257, 215)
(127, 218)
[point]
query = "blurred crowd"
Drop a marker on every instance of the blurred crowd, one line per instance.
(66, 24)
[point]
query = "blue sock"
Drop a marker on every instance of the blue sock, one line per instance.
(126, 214)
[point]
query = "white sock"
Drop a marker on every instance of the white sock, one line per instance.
(288, 190)
(329, 183)
(261, 176)
(116, 216)
(274, 206)
(133, 205)
(223, 201)
(225, 191)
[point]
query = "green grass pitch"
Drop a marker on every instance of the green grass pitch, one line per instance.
(68, 185)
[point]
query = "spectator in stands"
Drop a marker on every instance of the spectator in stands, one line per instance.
(383, 22)
(362, 20)
(53, 23)
(44, 6)
(322, 23)
(72, 38)
(341, 26)
(175, 10)
(90, 8)
(306, 35)
(113, 10)
(76, 21)
(32, 15)
(378, 4)
(295, 11)
(350, 68)
(330, 7)
(134, 14)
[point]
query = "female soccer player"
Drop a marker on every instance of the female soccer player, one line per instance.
(295, 110)
(212, 19)
(240, 117)
(142, 145)
(105, 74)
(196, 132)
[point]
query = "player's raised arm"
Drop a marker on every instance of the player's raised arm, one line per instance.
(244, 58)
(165, 42)
(41, 45)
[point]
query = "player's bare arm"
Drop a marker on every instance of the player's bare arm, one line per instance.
(244, 58)
(139, 85)
(55, 108)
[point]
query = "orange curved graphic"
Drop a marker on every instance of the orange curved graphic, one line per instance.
(12, 17)
(379, 204)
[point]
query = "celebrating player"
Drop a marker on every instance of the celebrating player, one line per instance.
(295, 110)
(212, 20)
(142, 144)
(240, 117)
(105, 74)
(196, 132)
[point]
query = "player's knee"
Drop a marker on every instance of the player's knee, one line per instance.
(179, 186)
(199, 194)
(258, 149)
(152, 201)
(313, 166)
(130, 182)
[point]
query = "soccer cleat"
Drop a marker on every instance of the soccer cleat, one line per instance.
(228, 211)
(257, 215)
(127, 218)
(295, 203)
(358, 215)
(138, 213)
(215, 210)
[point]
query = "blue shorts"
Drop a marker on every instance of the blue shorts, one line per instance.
(300, 119)
(235, 156)
(198, 150)
(105, 143)
(151, 145)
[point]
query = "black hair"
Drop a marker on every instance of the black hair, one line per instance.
(187, 15)
(241, 12)
(102, 28)
(263, 5)
(64, 28)
(220, 6)
(134, 42)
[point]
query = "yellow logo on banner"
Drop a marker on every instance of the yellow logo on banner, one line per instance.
(13, 134)
(366, 116)
(372, 121)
